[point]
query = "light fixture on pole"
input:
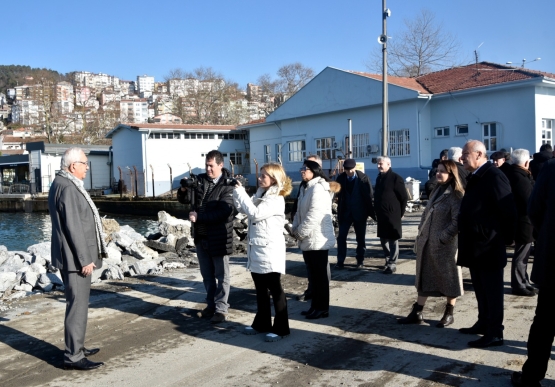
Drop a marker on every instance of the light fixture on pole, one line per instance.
(524, 62)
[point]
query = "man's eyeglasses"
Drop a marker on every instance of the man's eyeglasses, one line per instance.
(80, 162)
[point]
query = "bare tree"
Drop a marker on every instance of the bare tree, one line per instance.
(422, 47)
(204, 96)
(291, 78)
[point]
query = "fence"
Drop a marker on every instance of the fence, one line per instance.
(15, 189)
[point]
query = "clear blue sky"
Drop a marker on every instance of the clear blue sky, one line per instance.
(244, 39)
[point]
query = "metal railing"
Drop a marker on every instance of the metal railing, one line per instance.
(15, 189)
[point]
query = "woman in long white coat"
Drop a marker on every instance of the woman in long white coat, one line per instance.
(266, 248)
(313, 228)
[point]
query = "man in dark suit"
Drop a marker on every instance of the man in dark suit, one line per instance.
(76, 248)
(390, 203)
(521, 184)
(487, 222)
(539, 159)
(541, 211)
(354, 207)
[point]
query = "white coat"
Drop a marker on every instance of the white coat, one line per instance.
(266, 242)
(313, 225)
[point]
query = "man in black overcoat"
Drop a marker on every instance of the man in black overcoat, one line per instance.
(353, 208)
(487, 222)
(390, 202)
(521, 184)
(541, 211)
(539, 159)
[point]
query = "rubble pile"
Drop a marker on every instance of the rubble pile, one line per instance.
(129, 254)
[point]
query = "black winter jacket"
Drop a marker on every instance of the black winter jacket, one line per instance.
(521, 185)
(365, 190)
(218, 215)
(390, 202)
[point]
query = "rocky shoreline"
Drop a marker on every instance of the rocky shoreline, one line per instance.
(130, 254)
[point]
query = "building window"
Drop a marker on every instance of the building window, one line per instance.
(236, 158)
(267, 154)
(278, 152)
(547, 131)
(205, 136)
(297, 150)
(186, 135)
(441, 131)
(170, 136)
(164, 135)
(461, 130)
(325, 148)
(399, 142)
(211, 136)
(177, 136)
(360, 145)
(156, 135)
(490, 136)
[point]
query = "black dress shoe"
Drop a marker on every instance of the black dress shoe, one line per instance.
(304, 297)
(307, 312)
(339, 266)
(389, 270)
(90, 352)
(476, 329)
(486, 341)
(318, 314)
(523, 292)
(83, 365)
(533, 288)
(518, 381)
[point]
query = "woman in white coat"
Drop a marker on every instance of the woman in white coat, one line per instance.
(266, 248)
(313, 228)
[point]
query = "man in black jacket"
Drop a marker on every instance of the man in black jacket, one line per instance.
(354, 208)
(541, 211)
(487, 222)
(390, 204)
(521, 184)
(212, 215)
(545, 154)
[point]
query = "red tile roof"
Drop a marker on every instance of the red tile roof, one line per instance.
(475, 75)
(462, 78)
(11, 152)
(409, 83)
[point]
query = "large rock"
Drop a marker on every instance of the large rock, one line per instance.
(37, 268)
(40, 252)
(122, 240)
(160, 246)
(143, 268)
(12, 264)
(109, 226)
(128, 230)
(47, 281)
(140, 251)
(30, 278)
(114, 256)
(113, 272)
(4, 254)
(7, 281)
(170, 225)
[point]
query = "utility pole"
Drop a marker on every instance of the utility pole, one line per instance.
(385, 115)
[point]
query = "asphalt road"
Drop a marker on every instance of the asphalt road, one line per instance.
(149, 334)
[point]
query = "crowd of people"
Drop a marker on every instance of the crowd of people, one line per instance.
(475, 209)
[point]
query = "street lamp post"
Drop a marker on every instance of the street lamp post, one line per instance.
(383, 40)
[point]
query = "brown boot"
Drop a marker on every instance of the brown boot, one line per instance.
(447, 318)
(414, 317)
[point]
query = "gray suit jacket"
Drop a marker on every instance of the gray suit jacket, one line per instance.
(74, 243)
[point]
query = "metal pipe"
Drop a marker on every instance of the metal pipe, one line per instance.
(350, 138)
(120, 182)
(171, 181)
(152, 169)
(136, 182)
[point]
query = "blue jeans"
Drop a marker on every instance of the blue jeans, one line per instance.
(215, 276)
(360, 232)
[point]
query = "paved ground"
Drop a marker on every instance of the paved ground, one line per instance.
(149, 334)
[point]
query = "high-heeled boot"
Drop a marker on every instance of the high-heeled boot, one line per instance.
(447, 318)
(414, 317)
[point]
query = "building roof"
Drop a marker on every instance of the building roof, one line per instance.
(12, 152)
(171, 127)
(476, 75)
(409, 83)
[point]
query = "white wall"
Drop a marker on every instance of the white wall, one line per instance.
(545, 108)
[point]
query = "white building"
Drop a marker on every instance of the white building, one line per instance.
(27, 112)
(502, 106)
(134, 110)
(169, 150)
(145, 84)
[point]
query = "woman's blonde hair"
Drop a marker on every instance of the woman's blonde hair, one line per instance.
(276, 172)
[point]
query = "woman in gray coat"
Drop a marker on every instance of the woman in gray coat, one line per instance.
(437, 273)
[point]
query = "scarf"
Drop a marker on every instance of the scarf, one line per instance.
(79, 185)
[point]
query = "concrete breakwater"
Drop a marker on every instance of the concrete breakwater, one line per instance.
(111, 205)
